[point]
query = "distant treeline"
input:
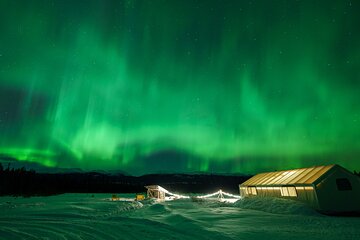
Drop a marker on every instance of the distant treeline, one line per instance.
(22, 182)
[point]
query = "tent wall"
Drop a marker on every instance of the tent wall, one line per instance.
(305, 194)
(332, 198)
(268, 191)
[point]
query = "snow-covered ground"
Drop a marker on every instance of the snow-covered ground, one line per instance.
(83, 216)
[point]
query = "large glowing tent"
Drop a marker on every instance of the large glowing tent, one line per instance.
(329, 189)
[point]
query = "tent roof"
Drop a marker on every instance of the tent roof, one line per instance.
(156, 188)
(302, 176)
(153, 187)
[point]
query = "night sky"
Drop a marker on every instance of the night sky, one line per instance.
(220, 86)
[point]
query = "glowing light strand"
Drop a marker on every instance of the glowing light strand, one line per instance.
(209, 195)
(219, 193)
(172, 194)
(231, 195)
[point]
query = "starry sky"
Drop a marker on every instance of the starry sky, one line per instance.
(143, 86)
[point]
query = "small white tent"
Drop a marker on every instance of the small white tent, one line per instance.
(328, 189)
(156, 191)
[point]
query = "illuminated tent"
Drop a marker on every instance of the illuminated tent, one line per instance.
(329, 189)
(156, 191)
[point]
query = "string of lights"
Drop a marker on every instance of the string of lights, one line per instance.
(220, 194)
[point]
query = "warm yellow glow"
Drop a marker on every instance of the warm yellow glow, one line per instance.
(251, 191)
(288, 191)
(140, 197)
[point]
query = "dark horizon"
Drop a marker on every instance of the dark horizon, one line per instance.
(28, 183)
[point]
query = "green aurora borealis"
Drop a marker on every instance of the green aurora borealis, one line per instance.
(180, 86)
